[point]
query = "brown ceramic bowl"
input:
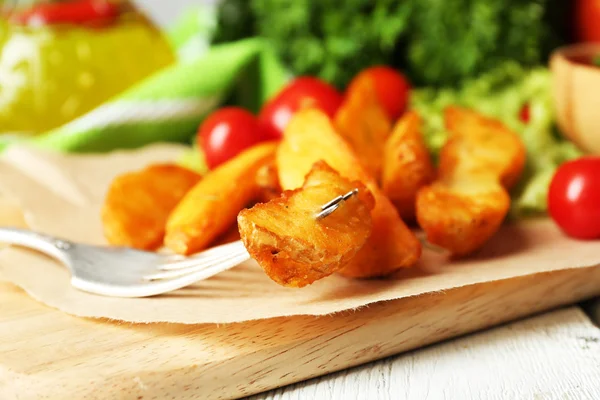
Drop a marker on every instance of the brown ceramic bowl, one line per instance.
(576, 87)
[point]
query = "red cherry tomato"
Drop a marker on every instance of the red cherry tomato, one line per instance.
(393, 89)
(524, 114)
(574, 198)
(72, 12)
(226, 133)
(301, 92)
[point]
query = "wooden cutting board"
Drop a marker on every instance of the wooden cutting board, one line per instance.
(47, 354)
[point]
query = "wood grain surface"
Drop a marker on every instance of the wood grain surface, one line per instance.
(44, 352)
(552, 356)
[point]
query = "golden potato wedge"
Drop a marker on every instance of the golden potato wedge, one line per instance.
(486, 144)
(291, 245)
(137, 204)
(365, 125)
(213, 204)
(268, 182)
(462, 217)
(407, 165)
(310, 137)
(468, 202)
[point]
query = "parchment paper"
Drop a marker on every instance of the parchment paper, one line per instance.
(61, 195)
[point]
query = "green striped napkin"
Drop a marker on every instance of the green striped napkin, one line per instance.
(169, 105)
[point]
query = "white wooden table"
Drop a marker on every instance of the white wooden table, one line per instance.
(552, 356)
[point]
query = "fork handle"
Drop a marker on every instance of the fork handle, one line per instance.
(46, 244)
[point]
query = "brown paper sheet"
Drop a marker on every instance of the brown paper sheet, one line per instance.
(61, 195)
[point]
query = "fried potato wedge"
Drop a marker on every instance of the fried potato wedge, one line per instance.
(468, 202)
(137, 204)
(268, 182)
(482, 146)
(211, 206)
(310, 137)
(462, 217)
(365, 125)
(291, 245)
(407, 165)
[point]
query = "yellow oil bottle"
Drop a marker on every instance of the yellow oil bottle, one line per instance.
(59, 59)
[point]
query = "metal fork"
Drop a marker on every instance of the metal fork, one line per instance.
(125, 272)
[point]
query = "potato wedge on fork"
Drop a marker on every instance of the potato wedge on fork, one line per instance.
(292, 244)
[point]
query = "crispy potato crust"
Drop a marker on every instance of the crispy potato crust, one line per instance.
(364, 124)
(137, 204)
(211, 207)
(310, 137)
(291, 245)
(459, 220)
(467, 204)
(407, 165)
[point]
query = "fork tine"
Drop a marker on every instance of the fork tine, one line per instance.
(201, 264)
(331, 206)
(163, 286)
(214, 252)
